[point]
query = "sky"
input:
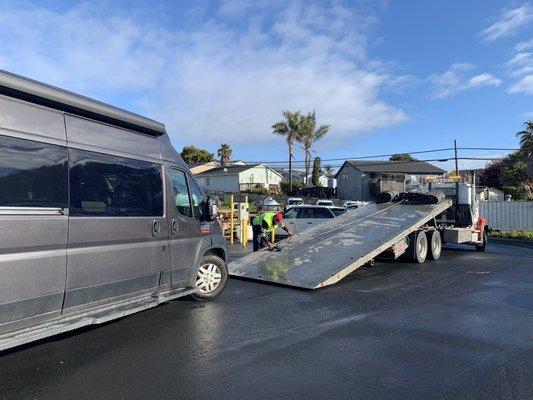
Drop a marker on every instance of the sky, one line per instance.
(388, 76)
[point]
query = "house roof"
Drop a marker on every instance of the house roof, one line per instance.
(395, 167)
(233, 170)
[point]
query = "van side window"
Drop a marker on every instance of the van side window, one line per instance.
(180, 192)
(104, 185)
(198, 200)
(32, 174)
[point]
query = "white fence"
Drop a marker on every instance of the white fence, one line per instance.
(508, 215)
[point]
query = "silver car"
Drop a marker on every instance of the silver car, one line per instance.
(300, 218)
(100, 217)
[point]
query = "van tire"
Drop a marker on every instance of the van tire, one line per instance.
(210, 267)
(434, 244)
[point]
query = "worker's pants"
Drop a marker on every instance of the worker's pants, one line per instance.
(259, 241)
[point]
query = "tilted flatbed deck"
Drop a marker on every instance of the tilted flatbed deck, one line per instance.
(323, 255)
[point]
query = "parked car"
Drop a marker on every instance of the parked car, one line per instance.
(293, 201)
(328, 203)
(300, 218)
(100, 215)
(349, 203)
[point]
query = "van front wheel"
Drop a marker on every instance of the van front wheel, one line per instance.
(211, 278)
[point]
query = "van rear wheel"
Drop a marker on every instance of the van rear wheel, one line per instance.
(211, 277)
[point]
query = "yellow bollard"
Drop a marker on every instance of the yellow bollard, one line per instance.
(231, 216)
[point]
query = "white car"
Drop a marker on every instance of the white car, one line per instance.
(327, 203)
(300, 218)
(349, 203)
(293, 201)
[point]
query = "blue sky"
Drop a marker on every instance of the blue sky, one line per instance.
(389, 76)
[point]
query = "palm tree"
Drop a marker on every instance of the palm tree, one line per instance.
(288, 128)
(309, 134)
(526, 145)
(225, 154)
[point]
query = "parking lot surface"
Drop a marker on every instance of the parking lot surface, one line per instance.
(458, 328)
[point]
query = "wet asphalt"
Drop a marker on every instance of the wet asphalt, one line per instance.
(458, 328)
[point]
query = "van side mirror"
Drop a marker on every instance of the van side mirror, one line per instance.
(211, 206)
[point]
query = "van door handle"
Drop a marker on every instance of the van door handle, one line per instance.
(174, 226)
(156, 226)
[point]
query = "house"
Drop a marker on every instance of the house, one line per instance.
(363, 180)
(299, 176)
(237, 178)
(197, 168)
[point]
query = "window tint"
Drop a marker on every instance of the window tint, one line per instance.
(105, 185)
(32, 174)
(181, 193)
(338, 211)
(198, 200)
(291, 214)
(323, 213)
(306, 213)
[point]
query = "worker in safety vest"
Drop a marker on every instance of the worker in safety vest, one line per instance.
(263, 225)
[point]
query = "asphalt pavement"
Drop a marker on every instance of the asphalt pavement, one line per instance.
(458, 328)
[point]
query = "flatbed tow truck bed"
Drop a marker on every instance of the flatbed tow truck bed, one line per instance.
(323, 255)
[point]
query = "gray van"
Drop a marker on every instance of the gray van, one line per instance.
(99, 215)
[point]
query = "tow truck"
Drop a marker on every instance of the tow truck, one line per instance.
(409, 225)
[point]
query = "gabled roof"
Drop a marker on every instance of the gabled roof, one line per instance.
(395, 167)
(233, 170)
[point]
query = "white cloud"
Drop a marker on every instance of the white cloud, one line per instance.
(524, 85)
(526, 45)
(455, 80)
(520, 67)
(216, 83)
(508, 23)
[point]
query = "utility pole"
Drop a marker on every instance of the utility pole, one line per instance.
(290, 169)
(456, 161)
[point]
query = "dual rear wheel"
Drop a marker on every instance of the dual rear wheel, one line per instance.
(425, 244)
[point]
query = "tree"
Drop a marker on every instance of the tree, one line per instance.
(490, 177)
(193, 154)
(526, 146)
(288, 128)
(402, 157)
(317, 170)
(225, 154)
(329, 170)
(308, 134)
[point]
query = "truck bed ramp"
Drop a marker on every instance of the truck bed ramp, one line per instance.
(325, 254)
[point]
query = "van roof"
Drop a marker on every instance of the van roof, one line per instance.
(22, 88)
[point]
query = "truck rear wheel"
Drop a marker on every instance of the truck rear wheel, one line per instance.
(418, 247)
(435, 244)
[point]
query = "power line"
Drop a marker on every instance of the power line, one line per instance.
(389, 155)
(421, 161)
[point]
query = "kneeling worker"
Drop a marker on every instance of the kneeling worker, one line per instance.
(263, 226)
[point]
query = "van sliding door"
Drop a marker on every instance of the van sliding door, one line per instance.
(116, 239)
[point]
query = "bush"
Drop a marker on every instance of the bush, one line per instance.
(522, 235)
(517, 192)
(284, 186)
(261, 191)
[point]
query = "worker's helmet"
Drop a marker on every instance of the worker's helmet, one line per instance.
(278, 218)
